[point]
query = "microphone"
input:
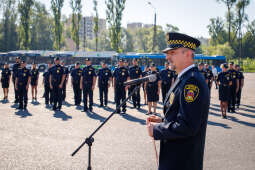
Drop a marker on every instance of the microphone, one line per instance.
(150, 78)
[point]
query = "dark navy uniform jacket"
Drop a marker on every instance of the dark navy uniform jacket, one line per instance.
(6, 73)
(204, 74)
(66, 72)
(46, 76)
(88, 73)
(224, 78)
(209, 75)
(135, 72)
(76, 75)
(166, 76)
(15, 70)
(240, 77)
(183, 130)
(121, 75)
(34, 75)
(23, 74)
(56, 72)
(104, 75)
(234, 76)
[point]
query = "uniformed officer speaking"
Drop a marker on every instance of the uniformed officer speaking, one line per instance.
(135, 72)
(87, 83)
(104, 82)
(182, 131)
(22, 81)
(57, 78)
(75, 81)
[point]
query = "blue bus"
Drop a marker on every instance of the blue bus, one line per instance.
(159, 59)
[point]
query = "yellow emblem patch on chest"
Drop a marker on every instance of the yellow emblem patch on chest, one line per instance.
(24, 74)
(57, 71)
(123, 73)
(89, 72)
(191, 92)
(171, 98)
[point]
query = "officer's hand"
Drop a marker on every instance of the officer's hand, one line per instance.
(126, 88)
(16, 87)
(60, 86)
(109, 85)
(93, 87)
(150, 129)
(51, 87)
(158, 92)
(26, 87)
(153, 118)
(81, 87)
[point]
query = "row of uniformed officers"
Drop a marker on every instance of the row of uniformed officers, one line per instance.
(84, 80)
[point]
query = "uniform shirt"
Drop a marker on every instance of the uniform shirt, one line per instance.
(204, 74)
(76, 75)
(34, 74)
(209, 75)
(224, 78)
(88, 73)
(240, 76)
(104, 74)
(135, 72)
(6, 73)
(166, 76)
(233, 76)
(66, 72)
(23, 74)
(154, 83)
(121, 75)
(46, 79)
(184, 125)
(15, 69)
(56, 72)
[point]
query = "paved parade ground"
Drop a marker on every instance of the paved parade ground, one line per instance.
(43, 139)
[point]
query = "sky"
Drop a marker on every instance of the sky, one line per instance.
(190, 16)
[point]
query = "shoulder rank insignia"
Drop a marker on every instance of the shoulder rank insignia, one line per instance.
(171, 98)
(191, 92)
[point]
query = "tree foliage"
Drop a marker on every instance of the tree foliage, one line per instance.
(56, 7)
(76, 18)
(96, 19)
(24, 9)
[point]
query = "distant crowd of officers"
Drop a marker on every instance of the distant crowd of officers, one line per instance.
(83, 81)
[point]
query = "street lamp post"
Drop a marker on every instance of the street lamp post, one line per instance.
(155, 27)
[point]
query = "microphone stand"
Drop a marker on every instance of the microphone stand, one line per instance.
(89, 140)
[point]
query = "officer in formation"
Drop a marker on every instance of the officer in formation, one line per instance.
(22, 81)
(135, 72)
(153, 90)
(241, 84)
(87, 83)
(182, 130)
(104, 82)
(224, 82)
(57, 78)
(233, 88)
(145, 73)
(15, 68)
(202, 71)
(48, 93)
(34, 81)
(75, 80)
(167, 78)
(5, 80)
(209, 76)
(66, 73)
(120, 75)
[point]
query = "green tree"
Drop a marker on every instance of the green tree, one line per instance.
(229, 4)
(8, 26)
(114, 11)
(219, 49)
(216, 31)
(76, 18)
(24, 9)
(41, 32)
(56, 6)
(96, 18)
